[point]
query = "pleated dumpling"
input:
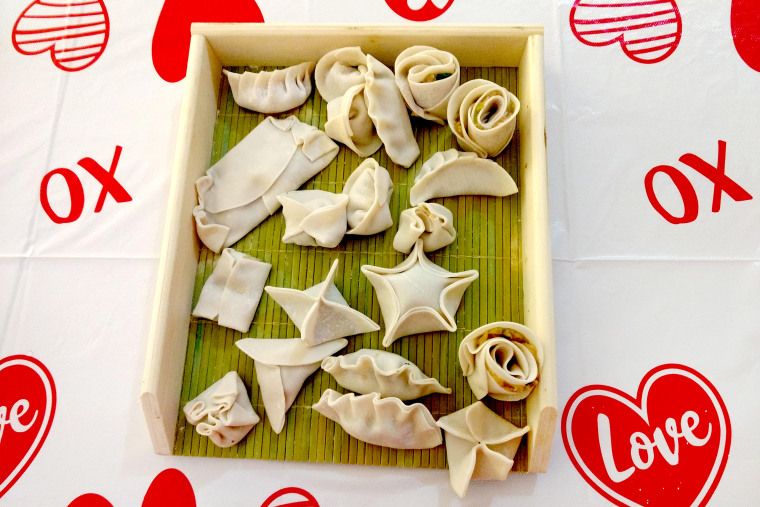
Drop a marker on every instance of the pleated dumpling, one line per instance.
(381, 421)
(427, 77)
(313, 217)
(369, 370)
(483, 116)
(431, 222)
(369, 189)
(272, 92)
(453, 172)
(339, 70)
(348, 122)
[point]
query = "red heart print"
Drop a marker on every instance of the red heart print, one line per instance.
(171, 39)
(648, 31)
(745, 29)
(90, 500)
(27, 407)
(75, 32)
(170, 487)
(298, 498)
(413, 11)
(666, 447)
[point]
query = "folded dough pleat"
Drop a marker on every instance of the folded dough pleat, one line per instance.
(233, 291)
(369, 189)
(339, 70)
(314, 217)
(348, 122)
(282, 366)
(427, 77)
(431, 222)
(272, 92)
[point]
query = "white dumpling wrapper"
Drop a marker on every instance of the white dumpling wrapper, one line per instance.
(431, 222)
(480, 445)
(238, 192)
(339, 70)
(417, 296)
(416, 70)
(223, 412)
(502, 360)
(483, 116)
(282, 366)
(272, 91)
(348, 122)
(451, 172)
(387, 422)
(314, 217)
(320, 312)
(378, 371)
(369, 189)
(232, 293)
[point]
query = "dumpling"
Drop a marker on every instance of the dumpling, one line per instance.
(223, 412)
(377, 371)
(348, 122)
(314, 217)
(453, 172)
(339, 70)
(272, 92)
(483, 116)
(480, 445)
(432, 223)
(233, 291)
(427, 77)
(369, 189)
(381, 421)
(282, 365)
(320, 312)
(502, 360)
(238, 192)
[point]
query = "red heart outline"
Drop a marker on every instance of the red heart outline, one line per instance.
(425, 13)
(639, 406)
(44, 427)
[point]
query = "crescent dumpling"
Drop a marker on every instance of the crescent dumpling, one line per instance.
(339, 70)
(272, 92)
(427, 77)
(381, 421)
(369, 189)
(313, 217)
(368, 370)
(453, 172)
(431, 222)
(348, 122)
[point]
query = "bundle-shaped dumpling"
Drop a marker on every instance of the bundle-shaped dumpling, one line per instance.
(272, 92)
(313, 217)
(339, 70)
(427, 77)
(369, 191)
(381, 421)
(223, 412)
(483, 116)
(233, 291)
(377, 371)
(240, 190)
(480, 445)
(502, 359)
(349, 122)
(453, 172)
(432, 223)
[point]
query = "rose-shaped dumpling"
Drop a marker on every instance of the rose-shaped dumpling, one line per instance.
(339, 70)
(427, 77)
(432, 223)
(369, 190)
(313, 217)
(483, 116)
(502, 359)
(348, 122)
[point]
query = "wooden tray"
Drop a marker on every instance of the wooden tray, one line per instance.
(178, 364)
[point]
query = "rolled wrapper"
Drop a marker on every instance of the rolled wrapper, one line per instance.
(223, 412)
(381, 421)
(233, 291)
(314, 217)
(483, 116)
(502, 360)
(431, 222)
(480, 445)
(369, 189)
(339, 70)
(427, 77)
(349, 122)
(238, 192)
(272, 92)
(453, 172)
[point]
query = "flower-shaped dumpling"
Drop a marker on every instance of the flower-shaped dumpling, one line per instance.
(313, 217)
(432, 223)
(369, 190)
(348, 122)
(480, 445)
(427, 77)
(483, 116)
(502, 359)
(223, 412)
(272, 92)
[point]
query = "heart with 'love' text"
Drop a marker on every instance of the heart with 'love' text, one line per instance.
(666, 447)
(27, 406)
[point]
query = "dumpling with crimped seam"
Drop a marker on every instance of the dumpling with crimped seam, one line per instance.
(368, 370)
(272, 92)
(369, 191)
(381, 421)
(431, 222)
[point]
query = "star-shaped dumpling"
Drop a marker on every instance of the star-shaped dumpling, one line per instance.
(320, 312)
(417, 296)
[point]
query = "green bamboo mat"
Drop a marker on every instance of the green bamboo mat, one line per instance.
(488, 239)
